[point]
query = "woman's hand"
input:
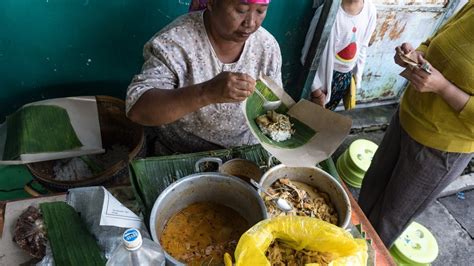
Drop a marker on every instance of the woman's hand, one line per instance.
(426, 82)
(405, 48)
(229, 87)
(318, 97)
(435, 82)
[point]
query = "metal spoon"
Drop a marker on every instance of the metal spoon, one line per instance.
(282, 204)
(268, 105)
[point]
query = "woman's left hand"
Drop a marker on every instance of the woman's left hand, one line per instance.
(426, 82)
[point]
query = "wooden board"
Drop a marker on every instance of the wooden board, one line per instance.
(382, 255)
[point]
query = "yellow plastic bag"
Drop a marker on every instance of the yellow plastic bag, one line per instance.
(299, 233)
(349, 99)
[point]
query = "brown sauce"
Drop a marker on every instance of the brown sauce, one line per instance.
(202, 233)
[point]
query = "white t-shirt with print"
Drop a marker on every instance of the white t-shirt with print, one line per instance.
(347, 45)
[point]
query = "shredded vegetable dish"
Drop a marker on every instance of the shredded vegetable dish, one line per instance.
(281, 255)
(306, 201)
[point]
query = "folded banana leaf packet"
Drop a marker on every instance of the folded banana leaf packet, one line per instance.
(316, 132)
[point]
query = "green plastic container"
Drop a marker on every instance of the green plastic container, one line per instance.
(415, 246)
(355, 161)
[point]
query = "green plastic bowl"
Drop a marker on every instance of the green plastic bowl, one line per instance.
(415, 246)
(354, 162)
(347, 174)
(361, 153)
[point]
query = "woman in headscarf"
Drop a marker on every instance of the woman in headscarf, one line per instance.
(196, 74)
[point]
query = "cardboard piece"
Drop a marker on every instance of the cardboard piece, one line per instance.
(84, 118)
(331, 130)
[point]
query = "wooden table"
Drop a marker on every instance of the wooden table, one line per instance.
(382, 255)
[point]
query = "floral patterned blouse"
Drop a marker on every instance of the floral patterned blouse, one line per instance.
(181, 55)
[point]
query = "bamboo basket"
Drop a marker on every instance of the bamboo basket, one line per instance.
(115, 128)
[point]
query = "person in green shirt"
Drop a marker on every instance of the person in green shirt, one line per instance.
(430, 140)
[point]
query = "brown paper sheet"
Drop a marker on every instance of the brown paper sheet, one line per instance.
(331, 130)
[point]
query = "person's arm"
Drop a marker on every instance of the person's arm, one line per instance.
(321, 86)
(153, 97)
(458, 99)
(435, 82)
(160, 106)
(362, 56)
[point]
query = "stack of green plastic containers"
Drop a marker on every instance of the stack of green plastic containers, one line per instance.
(355, 161)
(415, 246)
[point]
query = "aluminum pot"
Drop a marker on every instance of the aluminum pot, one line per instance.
(317, 178)
(205, 187)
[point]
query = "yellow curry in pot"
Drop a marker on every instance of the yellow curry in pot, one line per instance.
(202, 233)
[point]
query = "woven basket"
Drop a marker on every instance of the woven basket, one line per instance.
(115, 128)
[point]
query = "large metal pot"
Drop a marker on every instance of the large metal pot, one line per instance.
(205, 187)
(317, 178)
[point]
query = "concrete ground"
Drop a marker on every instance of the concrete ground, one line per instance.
(451, 217)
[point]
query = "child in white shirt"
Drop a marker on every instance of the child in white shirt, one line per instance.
(345, 52)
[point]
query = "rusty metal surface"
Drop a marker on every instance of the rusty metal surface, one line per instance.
(395, 24)
(439, 3)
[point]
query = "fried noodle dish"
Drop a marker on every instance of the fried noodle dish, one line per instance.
(281, 255)
(306, 201)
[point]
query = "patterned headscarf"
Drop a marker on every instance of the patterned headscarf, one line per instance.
(197, 5)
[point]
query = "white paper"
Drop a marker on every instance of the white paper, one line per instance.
(84, 118)
(116, 214)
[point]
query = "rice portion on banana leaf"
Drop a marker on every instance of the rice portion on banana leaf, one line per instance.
(276, 126)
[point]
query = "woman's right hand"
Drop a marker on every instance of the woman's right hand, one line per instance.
(405, 48)
(229, 87)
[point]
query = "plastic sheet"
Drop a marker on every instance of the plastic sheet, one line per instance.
(299, 233)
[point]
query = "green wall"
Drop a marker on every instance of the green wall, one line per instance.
(57, 48)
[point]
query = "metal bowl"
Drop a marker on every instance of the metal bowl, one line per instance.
(317, 178)
(218, 188)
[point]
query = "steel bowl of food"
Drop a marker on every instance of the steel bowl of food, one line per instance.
(202, 216)
(310, 191)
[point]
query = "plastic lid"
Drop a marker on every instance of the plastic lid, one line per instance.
(132, 239)
(346, 174)
(361, 153)
(417, 245)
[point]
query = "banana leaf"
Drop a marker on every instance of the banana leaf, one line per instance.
(150, 176)
(254, 108)
(39, 129)
(71, 242)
